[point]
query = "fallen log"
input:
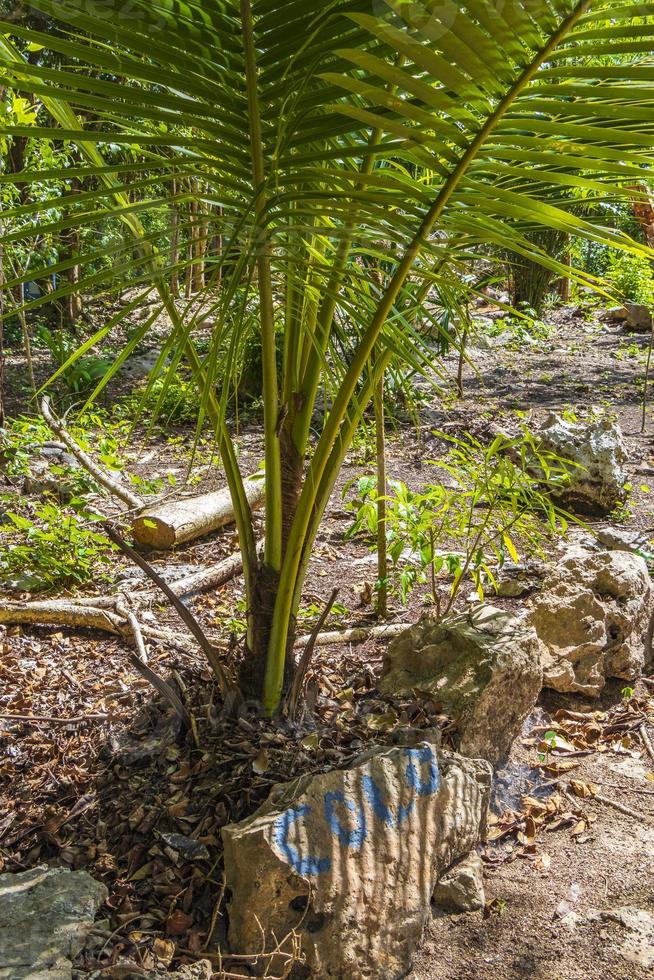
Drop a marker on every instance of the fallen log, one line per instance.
(164, 526)
(209, 578)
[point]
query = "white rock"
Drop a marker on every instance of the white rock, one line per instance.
(591, 618)
(639, 317)
(45, 915)
(597, 448)
(619, 539)
(462, 888)
(483, 667)
(615, 314)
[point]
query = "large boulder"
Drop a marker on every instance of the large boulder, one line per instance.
(598, 483)
(483, 667)
(592, 618)
(349, 859)
(45, 915)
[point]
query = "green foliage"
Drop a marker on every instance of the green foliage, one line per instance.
(94, 432)
(47, 547)
(526, 327)
(491, 500)
(166, 399)
(631, 276)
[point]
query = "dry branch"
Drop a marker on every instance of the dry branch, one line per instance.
(100, 475)
(647, 742)
(305, 660)
(51, 720)
(183, 611)
(60, 613)
(627, 810)
(166, 525)
(358, 634)
(209, 578)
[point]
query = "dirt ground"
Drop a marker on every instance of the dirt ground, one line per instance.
(555, 908)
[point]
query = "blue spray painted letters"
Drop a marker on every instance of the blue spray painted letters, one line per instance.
(303, 866)
(418, 757)
(420, 784)
(350, 838)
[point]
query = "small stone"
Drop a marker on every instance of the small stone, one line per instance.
(202, 970)
(187, 848)
(462, 888)
(483, 667)
(619, 539)
(516, 581)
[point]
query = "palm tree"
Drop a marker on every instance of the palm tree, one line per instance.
(323, 139)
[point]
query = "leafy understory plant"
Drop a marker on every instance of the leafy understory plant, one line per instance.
(320, 143)
(491, 500)
(46, 547)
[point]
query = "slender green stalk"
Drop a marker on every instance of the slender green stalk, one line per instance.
(382, 549)
(647, 373)
(273, 536)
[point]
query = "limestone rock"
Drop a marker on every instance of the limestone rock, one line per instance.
(591, 619)
(483, 667)
(513, 581)
(619, 539)
(462, 888)
(616, 314)
(598, 449)
(45, 915)
(349, 858)
(639, 317)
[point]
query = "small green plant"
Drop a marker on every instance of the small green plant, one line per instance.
(170, 399)
(527, 328)
(23, 437)
(46, 547)
(363, 444)
(627, 693)
(625, 351)
(469, 523)
(85, 372)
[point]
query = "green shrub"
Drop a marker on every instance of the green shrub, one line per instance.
(48, 547)
(631, 275)
(85, 373)
(498, 498)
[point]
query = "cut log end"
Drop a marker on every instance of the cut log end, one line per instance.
(167, 525)
(151, 532)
